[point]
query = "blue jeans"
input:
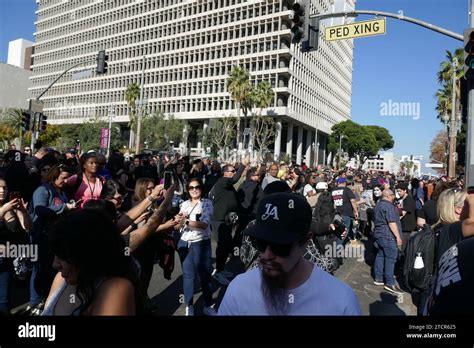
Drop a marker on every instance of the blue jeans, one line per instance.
(385, 260)
(5, 282)
(347, 221)
(35, 297)
(196, 259)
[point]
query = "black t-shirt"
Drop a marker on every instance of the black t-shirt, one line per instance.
(409, 220)
(342, 200)
(429, 212)
(449, 236)
(454, 283)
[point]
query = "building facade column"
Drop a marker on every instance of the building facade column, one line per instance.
(205, 128)
(309, 142)
(316, 153)
(299, 146)
(277, 150)
(289, 141)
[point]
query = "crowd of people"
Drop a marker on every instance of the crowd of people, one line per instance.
(100, 224)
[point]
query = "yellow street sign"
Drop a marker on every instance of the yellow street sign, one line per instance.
(354, 30)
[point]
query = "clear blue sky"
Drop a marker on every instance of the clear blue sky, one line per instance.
(400, 66)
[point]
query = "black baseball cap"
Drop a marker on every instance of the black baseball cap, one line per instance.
(282, 218)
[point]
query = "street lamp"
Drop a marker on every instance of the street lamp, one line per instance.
(445, 118)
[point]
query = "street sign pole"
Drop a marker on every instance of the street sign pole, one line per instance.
(111, 115)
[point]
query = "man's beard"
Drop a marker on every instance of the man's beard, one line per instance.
(274, 293)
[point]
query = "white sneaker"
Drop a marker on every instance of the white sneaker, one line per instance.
(210, 311)
(221, 278)
(189, 311)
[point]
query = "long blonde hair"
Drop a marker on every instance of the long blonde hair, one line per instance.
(447, 201)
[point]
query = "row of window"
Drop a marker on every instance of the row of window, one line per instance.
(131, 18)
(50, 9)
(148, 42)
(178, 59)
(85, 108)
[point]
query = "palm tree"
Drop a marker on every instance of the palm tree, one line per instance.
(131, 94)
(239, 87)
(14, 119)
(445, 78)
(264, 95)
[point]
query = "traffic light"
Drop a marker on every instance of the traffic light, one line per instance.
(469, 54)
(300, 18)
(102, 59)
(25, 121)
(312, 42)
(43, 122)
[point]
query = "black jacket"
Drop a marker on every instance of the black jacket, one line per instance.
(249, 194)
(224, 196)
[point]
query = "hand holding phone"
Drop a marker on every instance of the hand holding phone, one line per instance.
(168, 178)
(15, 195)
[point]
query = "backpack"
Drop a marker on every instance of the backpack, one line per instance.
(424, 244)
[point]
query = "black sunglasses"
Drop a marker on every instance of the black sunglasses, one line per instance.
(197, 187)
(281, 250)
(230, 171)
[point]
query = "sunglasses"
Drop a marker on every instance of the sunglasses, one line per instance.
(150, 188)
(230, 171)
(198, 187)
(281, 250)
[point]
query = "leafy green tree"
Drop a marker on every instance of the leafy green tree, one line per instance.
(158, 130)
(220, 133)
(88, 133)
(383, 137)
(358, 141)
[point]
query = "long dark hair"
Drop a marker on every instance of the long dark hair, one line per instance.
(90, 241)
(324, 210)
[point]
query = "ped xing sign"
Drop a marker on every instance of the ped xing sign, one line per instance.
(355, 30)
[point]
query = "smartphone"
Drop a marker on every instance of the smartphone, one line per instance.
(14, 195)
(168, 179)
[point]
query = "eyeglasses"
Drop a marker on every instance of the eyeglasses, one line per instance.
(281, 250)
(27, 150)
(230, 171)
(45, 169)
(150, 188)
(198, 187)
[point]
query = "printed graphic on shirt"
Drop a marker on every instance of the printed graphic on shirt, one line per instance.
(448, 269)
(338, 197)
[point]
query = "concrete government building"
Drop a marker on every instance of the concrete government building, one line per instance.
(190, 47)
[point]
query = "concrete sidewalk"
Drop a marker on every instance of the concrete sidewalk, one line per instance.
(373, 299)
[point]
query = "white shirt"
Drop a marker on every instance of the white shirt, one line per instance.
(321, 294)
(204, 208)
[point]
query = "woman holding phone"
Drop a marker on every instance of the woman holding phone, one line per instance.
(14, 225)
(49, 202)
(194, 246)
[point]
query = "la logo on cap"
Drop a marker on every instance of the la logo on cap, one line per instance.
(271, 211)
